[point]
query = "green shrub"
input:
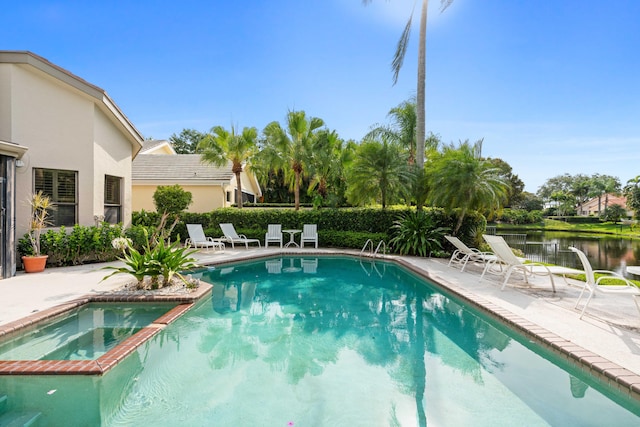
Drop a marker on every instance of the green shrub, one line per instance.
(171, 199)
(416, 233)
(78, 245)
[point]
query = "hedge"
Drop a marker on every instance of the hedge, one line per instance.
(341, 227)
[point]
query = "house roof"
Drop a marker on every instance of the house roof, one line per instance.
(178, 168)
(154, 146)
(104, 102)
(611, 198)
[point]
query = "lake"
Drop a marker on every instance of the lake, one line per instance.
(605, 252)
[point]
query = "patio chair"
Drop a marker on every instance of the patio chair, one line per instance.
(309, 235)
(273, 234)
(463, 254)
(592, 285)
(197, 238)
(231, 236)
(507, 259)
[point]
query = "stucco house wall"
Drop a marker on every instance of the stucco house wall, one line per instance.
(67, 124)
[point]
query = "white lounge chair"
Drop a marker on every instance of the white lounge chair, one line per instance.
(592, 285)
(507, 259)
(197, 238)
(232, 236)
(309, 235)
(463, 254)
(273, 234)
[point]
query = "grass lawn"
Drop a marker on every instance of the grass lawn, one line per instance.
(555, 225)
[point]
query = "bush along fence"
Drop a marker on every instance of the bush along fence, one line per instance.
(338, 228)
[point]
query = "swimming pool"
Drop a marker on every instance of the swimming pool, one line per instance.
(85, 333)
(334, 342)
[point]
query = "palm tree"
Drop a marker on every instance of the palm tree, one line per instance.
(402, 129)
(461, 178)
(291, 146)
(398, 60)
(325, 166)
(603, 185)
(221, 146)
(632, 193)
(378, 171)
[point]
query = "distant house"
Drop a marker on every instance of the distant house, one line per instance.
(64, 136)
(595, 206)
(211, 186)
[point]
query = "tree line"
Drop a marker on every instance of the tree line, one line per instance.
(570, 192)
(303, 158)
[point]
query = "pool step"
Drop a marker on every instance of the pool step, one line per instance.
(16, 419)
(19, 419)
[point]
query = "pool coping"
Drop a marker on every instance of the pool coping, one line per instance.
(611, 373)
(111, 358)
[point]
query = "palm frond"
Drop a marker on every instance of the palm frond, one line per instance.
(401, 49)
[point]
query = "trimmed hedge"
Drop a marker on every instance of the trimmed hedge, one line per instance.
(342, 227)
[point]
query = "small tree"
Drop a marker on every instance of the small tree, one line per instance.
(171, 199)
(614, 213)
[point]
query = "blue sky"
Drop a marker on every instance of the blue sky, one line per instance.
(552, 86)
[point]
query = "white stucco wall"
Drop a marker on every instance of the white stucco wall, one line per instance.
(112, 156)
(64, 129)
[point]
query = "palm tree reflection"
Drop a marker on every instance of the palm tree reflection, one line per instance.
(299, 327)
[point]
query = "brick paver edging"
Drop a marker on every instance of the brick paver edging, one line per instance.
(113, 356)
(609, 372)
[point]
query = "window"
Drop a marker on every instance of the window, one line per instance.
(60, 186)
(112, 199)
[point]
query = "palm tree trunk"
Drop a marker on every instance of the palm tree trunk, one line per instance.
(296, 191)
(420, 95)
(238, 190)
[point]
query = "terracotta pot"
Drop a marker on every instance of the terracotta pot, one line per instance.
(34, 264)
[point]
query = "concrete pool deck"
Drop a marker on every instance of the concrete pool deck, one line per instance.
(607, 339)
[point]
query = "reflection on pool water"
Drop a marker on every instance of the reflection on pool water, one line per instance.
(333, 342)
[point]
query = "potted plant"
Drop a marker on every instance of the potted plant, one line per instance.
(40, 205)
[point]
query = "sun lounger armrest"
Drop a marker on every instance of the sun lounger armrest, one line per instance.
(608, 274)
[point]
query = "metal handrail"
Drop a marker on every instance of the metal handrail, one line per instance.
(384, 248)
(369, 241)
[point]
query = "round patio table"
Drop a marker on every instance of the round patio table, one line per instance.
(292, 234)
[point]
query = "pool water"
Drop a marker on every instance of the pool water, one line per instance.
(85, 333)
(332, 342)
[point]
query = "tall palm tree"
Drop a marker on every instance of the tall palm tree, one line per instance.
(291, 146)
(221, 146)
(461, 178)
(378, 172)
(396, 65)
